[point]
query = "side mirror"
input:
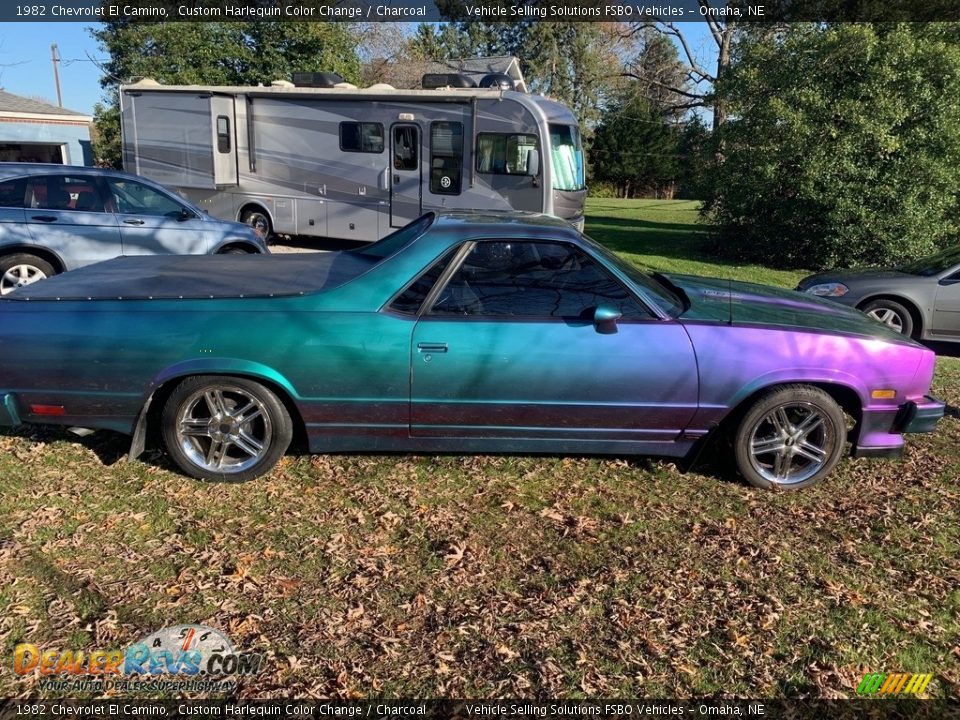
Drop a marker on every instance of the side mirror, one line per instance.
(533, 162)
(186, 215)
(605, 319)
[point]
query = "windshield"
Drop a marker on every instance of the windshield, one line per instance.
(567, 156)
(667, 300)
(933, 264)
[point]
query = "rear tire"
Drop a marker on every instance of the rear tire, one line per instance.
(790, 438)
(22, 269)
(224, 428)
(235, 251)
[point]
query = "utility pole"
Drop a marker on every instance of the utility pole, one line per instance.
(55, 58)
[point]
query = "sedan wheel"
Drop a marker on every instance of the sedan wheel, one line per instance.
(22, 269)
(892, 314)
(224, 428)
(790, 438)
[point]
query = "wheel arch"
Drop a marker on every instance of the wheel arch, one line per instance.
(912, 306)
(147, 424)
(847, 396)
(41, 252)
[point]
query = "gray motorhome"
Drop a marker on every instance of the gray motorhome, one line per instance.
(342, 162)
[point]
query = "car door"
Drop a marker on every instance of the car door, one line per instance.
(153, 222)
(509, 349)
(946, 309)
(65, 213)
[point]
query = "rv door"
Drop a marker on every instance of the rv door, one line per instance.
(224, 140)
(405, 174)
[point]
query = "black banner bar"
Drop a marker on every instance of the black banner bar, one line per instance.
(741, 11)
(885, 709)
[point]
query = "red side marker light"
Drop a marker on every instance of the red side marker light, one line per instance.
(47, 409)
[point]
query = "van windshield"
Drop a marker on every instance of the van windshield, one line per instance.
(567, 156)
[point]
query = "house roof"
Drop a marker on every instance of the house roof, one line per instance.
(10, 103)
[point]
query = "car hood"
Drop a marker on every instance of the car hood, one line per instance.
(852, 276)
(715, 300)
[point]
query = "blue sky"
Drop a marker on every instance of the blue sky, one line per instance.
(25, 67)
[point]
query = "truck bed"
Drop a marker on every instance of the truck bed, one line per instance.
(158, 277)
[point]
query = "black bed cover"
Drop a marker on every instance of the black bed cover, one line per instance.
(157, 277)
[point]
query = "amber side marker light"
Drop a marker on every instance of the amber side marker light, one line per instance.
(47, 409)
(883, 394)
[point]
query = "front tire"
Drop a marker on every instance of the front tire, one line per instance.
(790, 438)
(225, 428)
(892, 314)
(22, 269)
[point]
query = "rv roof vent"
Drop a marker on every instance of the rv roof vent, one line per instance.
(381, 87)
(432, 81)
(345, 86)
(147, 82)
(497, 81)
(316, 79)
(282, 83)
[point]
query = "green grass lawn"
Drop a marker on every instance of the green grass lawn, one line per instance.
(492, 576)
(666, 235)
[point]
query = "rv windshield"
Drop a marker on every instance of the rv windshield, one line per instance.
(567, 156)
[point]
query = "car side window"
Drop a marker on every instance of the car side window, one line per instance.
(11, 192)
(134, 198)
(64, 192)
(533, 279)
(409, 301)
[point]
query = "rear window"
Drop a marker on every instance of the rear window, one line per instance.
(395, 242)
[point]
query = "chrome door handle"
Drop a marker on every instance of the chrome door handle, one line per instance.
(432, 347)
(133, 221)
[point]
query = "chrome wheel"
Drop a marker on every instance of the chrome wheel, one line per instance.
(888, 317)
(223, 429)
(17, 276)
(791, 443)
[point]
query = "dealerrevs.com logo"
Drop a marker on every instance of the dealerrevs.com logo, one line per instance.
(183, 657)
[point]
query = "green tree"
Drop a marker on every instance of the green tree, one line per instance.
(212, 53)
(842, 147)
(636, 149)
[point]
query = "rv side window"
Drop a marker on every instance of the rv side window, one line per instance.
(446, 157)
(501, 154)
(223, 134)
(361, 137)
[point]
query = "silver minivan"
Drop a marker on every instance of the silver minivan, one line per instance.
(55, 218)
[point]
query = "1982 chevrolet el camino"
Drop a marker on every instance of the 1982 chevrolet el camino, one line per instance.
(460, 332)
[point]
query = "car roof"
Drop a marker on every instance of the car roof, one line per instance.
(17, 169)
(502, 224)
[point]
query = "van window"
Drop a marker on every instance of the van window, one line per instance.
(446, 157)
(502, 154)
(406, 149)
(363, 137)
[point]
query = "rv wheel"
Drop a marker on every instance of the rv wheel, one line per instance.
(258, 221)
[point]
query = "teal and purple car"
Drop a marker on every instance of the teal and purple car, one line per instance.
(462, 332)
